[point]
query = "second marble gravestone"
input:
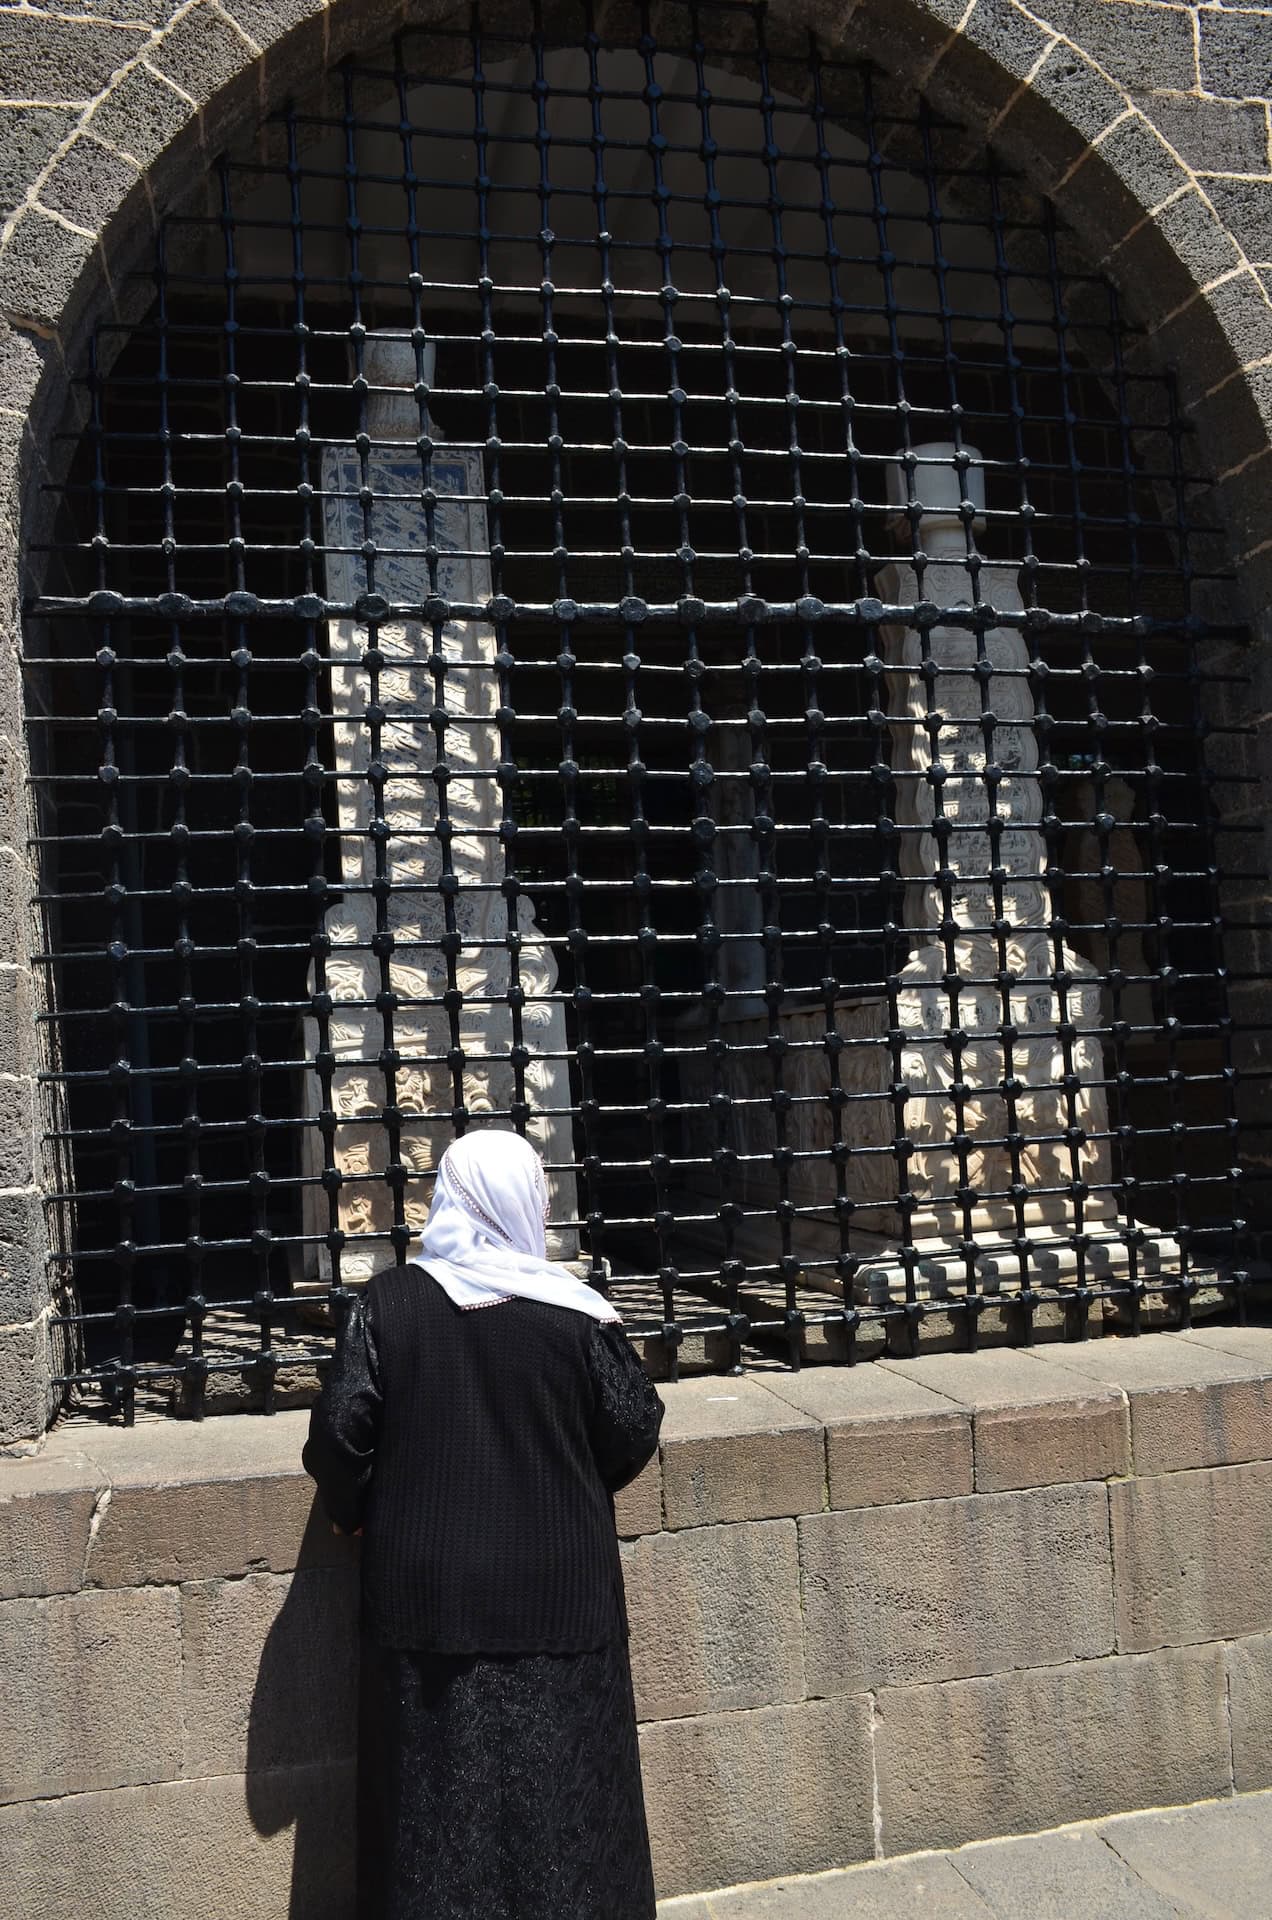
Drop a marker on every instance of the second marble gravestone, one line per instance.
(435, 829)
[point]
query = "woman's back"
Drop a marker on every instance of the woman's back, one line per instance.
(489, 1521)
(480, 1412)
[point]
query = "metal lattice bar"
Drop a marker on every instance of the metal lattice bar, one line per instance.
(631, 584)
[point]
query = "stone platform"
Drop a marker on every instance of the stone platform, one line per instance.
(1206, 1862)
(901, 1606)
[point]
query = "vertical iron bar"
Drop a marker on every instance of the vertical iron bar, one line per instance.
(1067, 1029)
(902, 1146)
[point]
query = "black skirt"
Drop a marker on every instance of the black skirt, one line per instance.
(503, 1787)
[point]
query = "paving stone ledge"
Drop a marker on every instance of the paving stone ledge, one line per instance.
(1043, 1577)
(103, 1506)
(1200, 1862)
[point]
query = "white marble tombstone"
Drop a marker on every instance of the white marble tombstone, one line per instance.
(408, 750)
(1033, 1004)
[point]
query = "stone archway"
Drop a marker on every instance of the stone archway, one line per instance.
(147, 106)
(185, 90)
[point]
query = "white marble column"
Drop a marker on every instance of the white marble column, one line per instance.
(1038, 1058)
(408, 750)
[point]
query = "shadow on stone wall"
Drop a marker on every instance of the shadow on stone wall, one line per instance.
(301, 1737)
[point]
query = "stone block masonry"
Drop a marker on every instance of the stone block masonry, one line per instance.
(859, 1626)
(1148, 121)
(872, 1610)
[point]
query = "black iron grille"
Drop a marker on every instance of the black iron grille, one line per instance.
(633, 586)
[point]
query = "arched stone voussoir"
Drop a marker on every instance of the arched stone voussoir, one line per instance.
(1144, 217)
(194, 84)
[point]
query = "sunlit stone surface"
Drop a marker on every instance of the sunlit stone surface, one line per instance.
(985, 921)
(448, 1055)
(1054, 1186)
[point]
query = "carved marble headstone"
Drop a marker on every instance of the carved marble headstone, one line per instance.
(1062, 1167)
(979, 776)
(408, 691)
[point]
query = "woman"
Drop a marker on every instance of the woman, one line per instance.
(483, 1408)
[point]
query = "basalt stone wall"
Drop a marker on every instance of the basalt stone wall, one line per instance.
(1149, 124)
(874, 1609)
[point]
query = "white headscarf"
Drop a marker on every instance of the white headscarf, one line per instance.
(484, 1239)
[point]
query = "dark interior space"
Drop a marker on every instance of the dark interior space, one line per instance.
(642, 451)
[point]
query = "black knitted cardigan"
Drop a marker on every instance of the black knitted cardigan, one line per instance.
(479, 1450)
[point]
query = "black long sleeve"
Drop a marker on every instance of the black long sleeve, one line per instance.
(627, 1413)
(478, 1451)
(345, 1423)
